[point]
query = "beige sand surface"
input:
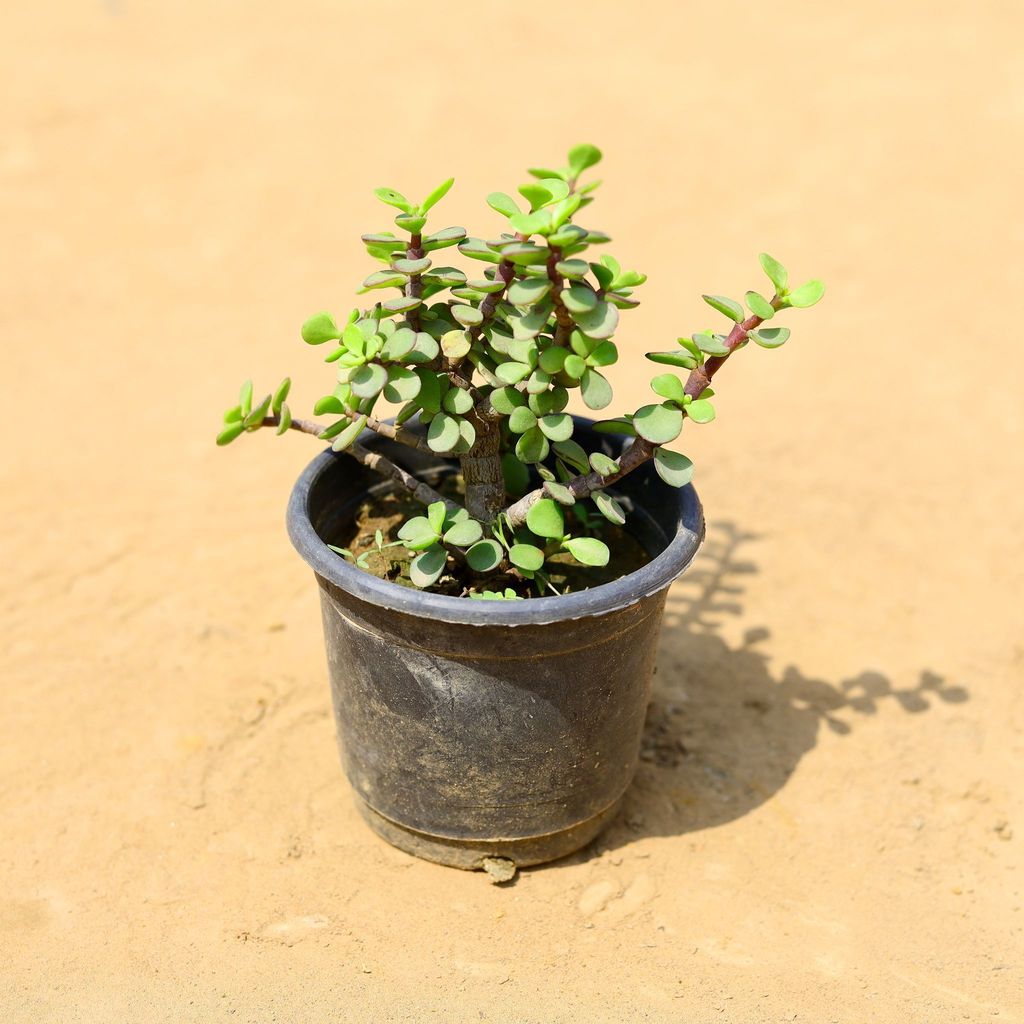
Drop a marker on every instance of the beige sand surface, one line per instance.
(828, 823)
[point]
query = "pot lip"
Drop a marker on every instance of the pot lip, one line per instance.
(650, 579)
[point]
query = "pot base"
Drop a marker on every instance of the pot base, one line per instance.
(470, 854)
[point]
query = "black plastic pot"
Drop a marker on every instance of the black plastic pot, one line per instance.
(489, 729)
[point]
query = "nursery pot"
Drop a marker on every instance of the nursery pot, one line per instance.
(489, 729)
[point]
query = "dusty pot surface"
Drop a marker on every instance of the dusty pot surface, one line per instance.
(489, 729)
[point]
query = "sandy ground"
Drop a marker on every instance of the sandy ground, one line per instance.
(828, 823)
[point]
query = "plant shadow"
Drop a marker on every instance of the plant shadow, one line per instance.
(723, 734)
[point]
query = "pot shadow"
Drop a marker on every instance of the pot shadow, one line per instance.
(722, 733)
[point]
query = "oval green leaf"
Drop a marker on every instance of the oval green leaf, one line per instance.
(588, 550)
(545, 519)
(658, 424)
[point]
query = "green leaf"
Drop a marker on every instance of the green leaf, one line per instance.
(398, 345)
(281, 394)
(443, 239)
(541, 193)
(574, 270)
(329, 404)
(368, 380)
(553, 359)
(411, 222)
(526, 557)
(506, 399)
(393, 198)
(424, 349)
(456, 345)
(328, 433)
(807, 294)
(521, 420)
(429, 397)
(619, 425)
(605, 354)
(759, 305)
(529, 326)
(446, 276)
(503, 204)
(426, 569)
(675, 469)
(457, 401)
(409, 267)
(384, 240)
(532, 446)
(528, 292)
(681, 359)
(403, 385)
(545, 519)
(732, 309)
(573, 453)
(419, 533)
(609, 508)
(578, 298)
(512, 372)
(711, 344)
(669, 386)
(468, 316)
(574, 365)
(777, 273)
(659, 424)
(435, 516)
(546, 172)
(401, 304)
(560, 493)
(464, 534)
(478, 249)
(596, 391)
(602, 464)
(443, 433)
(531, 223)
(556, 426)
(234, 415)
(384, 279)
(255, 417)
(700, 410)
(524, 254)
(770, 337)
(229, 433)
(354, 340)
(485, 555)
(583, 156)
(437, 195)
(349, 434)
(600, 322)
(286, 420)
(551, 400)
(320, 328)
(588, 550)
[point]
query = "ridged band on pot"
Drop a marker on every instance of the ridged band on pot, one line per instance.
(474, 729)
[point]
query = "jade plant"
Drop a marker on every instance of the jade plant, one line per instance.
(479, 365)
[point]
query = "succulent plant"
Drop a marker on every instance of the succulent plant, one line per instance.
(486, 360)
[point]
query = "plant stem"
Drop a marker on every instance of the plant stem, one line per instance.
(564, 322)
(641, 450)
(481, 471)
(421, 491)
(414, 286)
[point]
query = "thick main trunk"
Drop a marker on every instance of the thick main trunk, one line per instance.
(481, 472)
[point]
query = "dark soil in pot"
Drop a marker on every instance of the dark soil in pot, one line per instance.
(387, 510)
(475, 730)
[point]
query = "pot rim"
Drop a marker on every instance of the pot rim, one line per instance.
(651, 578)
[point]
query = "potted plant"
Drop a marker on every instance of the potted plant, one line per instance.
(492, 570)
